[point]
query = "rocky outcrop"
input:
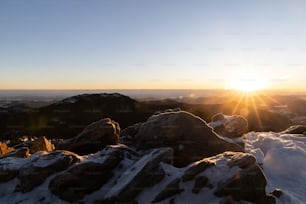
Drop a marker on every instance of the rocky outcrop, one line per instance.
(35, 172)
(248, 184)
(144, 173)
(189, 136)
(81, 180)
(88, 176)
(41, 144)
(173, 156)
(229, 126)
(93, 138)
(119, 174)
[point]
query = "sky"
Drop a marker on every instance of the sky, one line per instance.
(156, 44)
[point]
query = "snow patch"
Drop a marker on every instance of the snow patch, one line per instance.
(283, 157)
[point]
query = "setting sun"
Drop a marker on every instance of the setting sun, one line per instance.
(248, 83)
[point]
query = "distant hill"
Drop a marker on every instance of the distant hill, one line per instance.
(66, 118)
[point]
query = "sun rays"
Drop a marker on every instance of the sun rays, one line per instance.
(251, 104)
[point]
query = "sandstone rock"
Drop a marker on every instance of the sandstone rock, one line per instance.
(21, 153)
(229, 126)
(93, 138)
(5, 149)
(248, 184)
(89, 176)
(242, 160)
(35, 172)
(171, 189)
(189, 136)
(196, 168)
(41, 144)
(144, 173)
(200, 182)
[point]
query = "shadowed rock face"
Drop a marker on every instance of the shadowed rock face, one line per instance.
(93, 138)
(144, 173)
(89, 176)
(189, 136)
(35, 172)
(249, 184)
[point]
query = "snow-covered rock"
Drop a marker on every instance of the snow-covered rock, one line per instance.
(189, 136)
(89, 175)
(144, 173)
(35, 172)
(229, 126)
(120, 174)
(273, 163)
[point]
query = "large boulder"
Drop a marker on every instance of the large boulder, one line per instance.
(189, 136)
(41, 144)
(229, 126)
(34, 173)
(93, 138)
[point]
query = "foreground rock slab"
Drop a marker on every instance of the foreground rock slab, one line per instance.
(88, 176)
(144, 173)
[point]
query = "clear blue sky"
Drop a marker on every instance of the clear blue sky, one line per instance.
(102, 44)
